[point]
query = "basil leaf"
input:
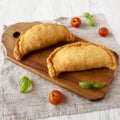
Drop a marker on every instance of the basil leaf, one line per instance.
(90, 19)
(98, 85)
(91, 23)
(25, 84)
(86, 85)
(86, 15)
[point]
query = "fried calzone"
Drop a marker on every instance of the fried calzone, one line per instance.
(41, 36)
(80, 56)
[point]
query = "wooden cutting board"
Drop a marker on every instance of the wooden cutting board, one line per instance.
(36, 63)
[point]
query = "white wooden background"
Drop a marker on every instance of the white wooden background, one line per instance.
(12, 11)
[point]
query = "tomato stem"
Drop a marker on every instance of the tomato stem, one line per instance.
(53, 95)
(104, 29)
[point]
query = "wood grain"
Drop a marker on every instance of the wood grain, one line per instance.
(36, 63)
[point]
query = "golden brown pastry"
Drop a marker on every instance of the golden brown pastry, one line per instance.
(41, 36)
(80, 56)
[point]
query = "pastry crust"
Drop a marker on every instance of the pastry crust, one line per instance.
(41, 36)
(80, 56)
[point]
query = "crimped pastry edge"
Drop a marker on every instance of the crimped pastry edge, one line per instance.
(16, 52)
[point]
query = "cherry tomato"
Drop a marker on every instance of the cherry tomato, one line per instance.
(75, 22)
(55, 97)
(103, 31)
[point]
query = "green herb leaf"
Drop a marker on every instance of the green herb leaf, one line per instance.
(86, 15)
(90, 19)
(25, 84)
(88, 85)
(91, 23)
(98, 85)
